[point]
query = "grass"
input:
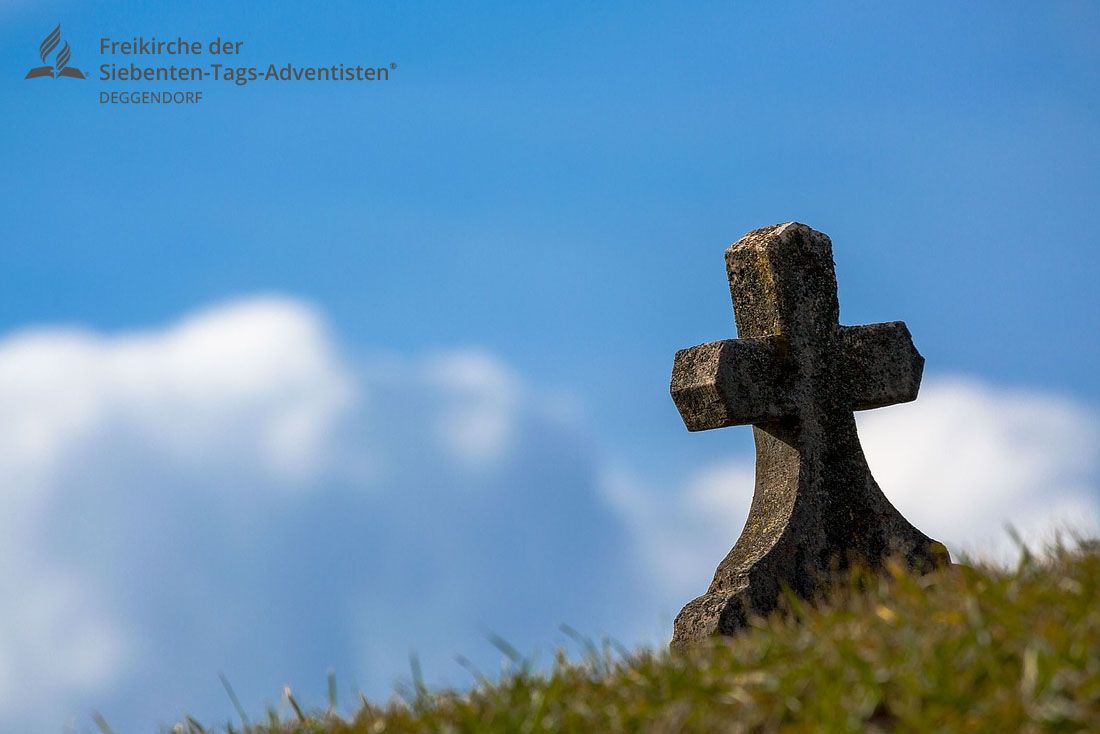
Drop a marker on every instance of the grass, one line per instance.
(971, 649)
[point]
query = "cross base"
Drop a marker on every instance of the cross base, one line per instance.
(803, 513)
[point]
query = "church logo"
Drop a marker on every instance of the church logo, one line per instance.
(60, 66)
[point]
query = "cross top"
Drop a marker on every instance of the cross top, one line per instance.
(792, 352)
(796, 374)
(782, 281)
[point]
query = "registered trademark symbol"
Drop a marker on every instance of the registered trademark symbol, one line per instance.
(393, 66)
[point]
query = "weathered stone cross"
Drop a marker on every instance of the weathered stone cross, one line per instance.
(796, 375)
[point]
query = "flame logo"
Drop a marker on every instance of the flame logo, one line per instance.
(50, 42)
(63, 57)
(60, 66)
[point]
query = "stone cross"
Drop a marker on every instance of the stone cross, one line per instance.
(796, 375)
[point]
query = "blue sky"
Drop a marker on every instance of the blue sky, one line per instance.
(428, 324)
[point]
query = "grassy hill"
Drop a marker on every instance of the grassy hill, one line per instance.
(973, 649)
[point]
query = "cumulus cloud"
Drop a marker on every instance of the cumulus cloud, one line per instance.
(55, 636)
(476, 426)
(254, 385)
(230, 492)
(968, 459)
(962, 463)
(249, 391)
(682, 534)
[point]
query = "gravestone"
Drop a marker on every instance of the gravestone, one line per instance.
(796, 375)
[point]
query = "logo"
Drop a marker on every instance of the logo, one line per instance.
(60, 65)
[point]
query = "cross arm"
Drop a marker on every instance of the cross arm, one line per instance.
(729, 383)
(880, 364)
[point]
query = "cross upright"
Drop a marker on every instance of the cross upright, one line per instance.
(796, 375)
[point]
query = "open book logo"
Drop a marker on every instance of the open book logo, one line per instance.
(60, 66)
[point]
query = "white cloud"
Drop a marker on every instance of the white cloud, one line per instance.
(682, 535)
(968, 458)
(962, 462)
(160, 490)
(55, 637)
(256, 385)
(254, 388)
(476, 425)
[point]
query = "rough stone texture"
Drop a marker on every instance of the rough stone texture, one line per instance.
(796, 375)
